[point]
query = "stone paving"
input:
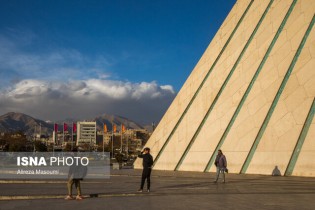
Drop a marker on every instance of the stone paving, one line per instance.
(170, 190)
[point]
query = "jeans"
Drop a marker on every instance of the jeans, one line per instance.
(220, 171)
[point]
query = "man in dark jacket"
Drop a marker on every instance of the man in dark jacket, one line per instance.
(147, 167)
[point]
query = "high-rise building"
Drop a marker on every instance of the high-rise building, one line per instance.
(86, 133)
(251, 94)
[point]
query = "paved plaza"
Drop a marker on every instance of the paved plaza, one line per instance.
(170, 190)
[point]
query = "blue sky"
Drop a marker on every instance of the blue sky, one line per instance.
(128, 52)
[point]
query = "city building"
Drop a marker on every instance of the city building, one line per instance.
(136, 139)
(251, 94)
(86, 133)
(132, 140)
(107, 137)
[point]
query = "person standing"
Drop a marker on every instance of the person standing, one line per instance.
(221, 164)
(147, 167)
(75, 175)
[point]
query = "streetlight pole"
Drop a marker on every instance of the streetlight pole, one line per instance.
(103, 138)
(121, 139)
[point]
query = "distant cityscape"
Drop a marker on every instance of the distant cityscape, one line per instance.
(122, 138)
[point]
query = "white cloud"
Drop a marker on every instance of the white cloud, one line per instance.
(168, 88)
(144, 102)
(54, 84)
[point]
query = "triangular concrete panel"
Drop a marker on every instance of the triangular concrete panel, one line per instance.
(251, 94)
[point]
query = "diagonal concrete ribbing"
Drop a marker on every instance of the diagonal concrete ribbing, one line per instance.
(180, 103)
(223, 87)
(227, 108)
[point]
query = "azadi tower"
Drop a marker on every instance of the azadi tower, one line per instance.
(251, 94)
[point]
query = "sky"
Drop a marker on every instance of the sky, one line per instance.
(82, 58)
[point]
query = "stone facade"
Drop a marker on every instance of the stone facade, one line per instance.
(251, 94)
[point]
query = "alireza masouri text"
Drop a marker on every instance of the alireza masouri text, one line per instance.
(51, 161)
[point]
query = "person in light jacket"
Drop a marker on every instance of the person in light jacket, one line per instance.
(221, 164)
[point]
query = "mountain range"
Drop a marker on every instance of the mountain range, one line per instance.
(13, 121)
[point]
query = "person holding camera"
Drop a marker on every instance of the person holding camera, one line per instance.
(221, 164)
(147, 167)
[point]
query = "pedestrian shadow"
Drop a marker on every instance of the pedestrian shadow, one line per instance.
(199, 184)
(94, 195)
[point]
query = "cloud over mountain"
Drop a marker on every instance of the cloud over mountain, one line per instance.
(145, 102)
(55, 83)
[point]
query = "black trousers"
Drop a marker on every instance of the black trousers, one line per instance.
(146, 173)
